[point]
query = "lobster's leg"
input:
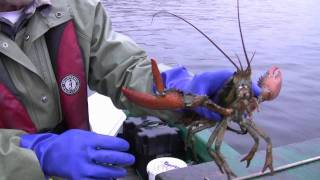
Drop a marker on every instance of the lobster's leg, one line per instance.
(211, 140)
(218, 143)
(203, 125)
(254, 148)
(191, 127)
(268, 161)
(194, 124)
(215, 107)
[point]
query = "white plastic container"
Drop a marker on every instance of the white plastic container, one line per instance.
(163, 164)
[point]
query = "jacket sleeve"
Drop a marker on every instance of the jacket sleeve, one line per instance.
(17, 162)
(116, 62)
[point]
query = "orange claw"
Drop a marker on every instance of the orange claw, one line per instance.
(171, 100)
(271, 83)
(162, 100)
(157, 77)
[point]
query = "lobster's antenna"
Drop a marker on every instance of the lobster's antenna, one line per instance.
(243, 46)
(252, 56)
(239, 62)
(200, 32)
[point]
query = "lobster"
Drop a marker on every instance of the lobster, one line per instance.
(236, 104)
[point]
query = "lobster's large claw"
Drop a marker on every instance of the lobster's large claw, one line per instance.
(170, 101)
(270, 83)
(161, 100)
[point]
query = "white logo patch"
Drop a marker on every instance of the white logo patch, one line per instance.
(70, 84)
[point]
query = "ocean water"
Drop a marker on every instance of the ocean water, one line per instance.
(285, 33)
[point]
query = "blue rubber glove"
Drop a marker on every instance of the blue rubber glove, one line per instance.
(78, 154)
(207, 83)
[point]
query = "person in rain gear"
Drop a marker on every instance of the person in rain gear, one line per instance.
(50, 50)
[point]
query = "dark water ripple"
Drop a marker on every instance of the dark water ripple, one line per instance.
(285, 33)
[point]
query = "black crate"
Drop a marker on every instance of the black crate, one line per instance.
(150, 138)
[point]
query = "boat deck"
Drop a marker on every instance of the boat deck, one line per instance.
(293, 161)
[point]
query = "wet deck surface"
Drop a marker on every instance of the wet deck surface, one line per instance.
(282, 156)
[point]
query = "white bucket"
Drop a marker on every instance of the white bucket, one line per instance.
(163, 164)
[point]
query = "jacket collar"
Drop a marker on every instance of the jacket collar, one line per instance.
(31, 9)
(10, 29)
(57, 13)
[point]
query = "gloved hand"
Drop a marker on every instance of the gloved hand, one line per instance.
(207, 83)
(78, 154)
